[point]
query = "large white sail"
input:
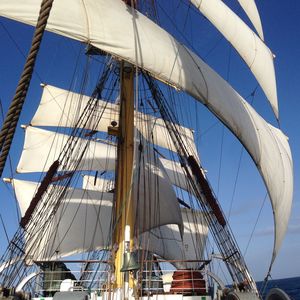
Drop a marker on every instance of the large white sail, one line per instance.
(62, 108)
(45, 146)
(281, 209)
(166, 241)
(137, 39)
(93, 17)
(255, 53)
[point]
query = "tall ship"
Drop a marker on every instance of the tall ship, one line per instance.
(114, 200)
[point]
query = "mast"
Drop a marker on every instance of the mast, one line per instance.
(124, 210)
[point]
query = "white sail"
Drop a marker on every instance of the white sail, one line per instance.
(151, 188)
(166, 241)
(94, 25)
(82, 222)
(62, 108)
(255, 53)
(45, 146)
(282, 209)
(175, 173)
(133, 38)
(250, 9)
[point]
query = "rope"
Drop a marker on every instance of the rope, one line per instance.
(12, 117)
(10, 166)
(4, 228)
(70, 158)
(257, 219)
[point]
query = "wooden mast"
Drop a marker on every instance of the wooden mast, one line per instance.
(124, 210)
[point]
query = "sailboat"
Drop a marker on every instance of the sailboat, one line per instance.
(114, 200)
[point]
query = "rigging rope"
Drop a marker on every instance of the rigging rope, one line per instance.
(29, 238)
(215, 217)
(223, 126)
(18, 48)
(10, 168)
(12, 117)
(257, 219)
(252, 95)
(4, 228)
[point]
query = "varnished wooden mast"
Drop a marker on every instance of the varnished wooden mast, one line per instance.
(124, 209)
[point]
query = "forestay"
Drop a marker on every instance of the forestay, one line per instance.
(133, 38)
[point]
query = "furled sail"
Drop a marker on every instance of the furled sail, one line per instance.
(250, 9)
(82, 222)
(61, 108)
(255, 53)
(132, 38)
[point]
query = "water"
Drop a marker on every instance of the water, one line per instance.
(290, 285)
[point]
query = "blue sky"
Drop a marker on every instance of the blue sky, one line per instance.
(281, 28)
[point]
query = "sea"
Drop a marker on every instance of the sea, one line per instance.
(291, 286)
